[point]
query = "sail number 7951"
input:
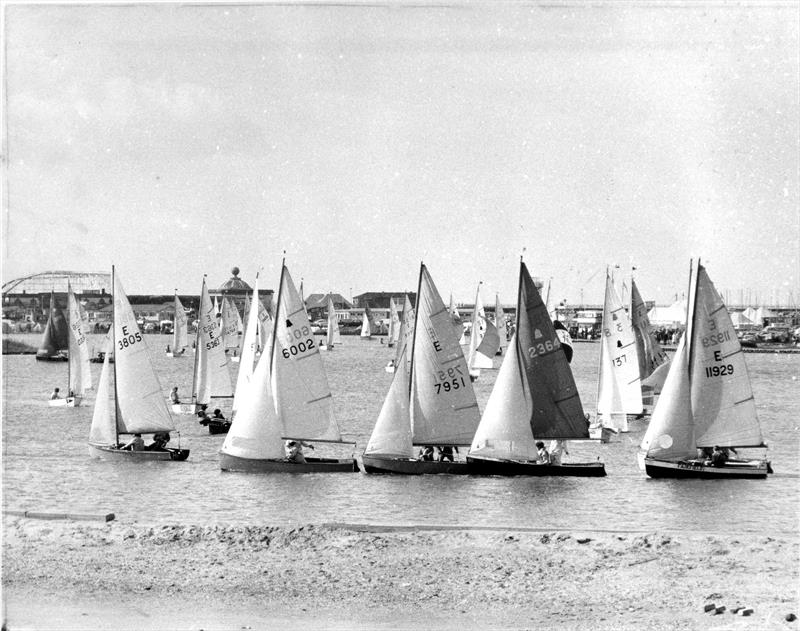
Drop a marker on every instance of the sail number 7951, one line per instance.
(451, 379)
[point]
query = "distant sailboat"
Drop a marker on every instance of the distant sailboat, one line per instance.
(332, 335)
(457, 322)
(430, 400)
(707, 400)
(134, 404)
(534, 399)
(500, 324)
(394, 324)
(79, 375)
(288, 398)
(211, 375)
(180, 331)
(55, 339)
(366, 324)
(484, 341)
(619, 390)
(405, 332)
(231, 324)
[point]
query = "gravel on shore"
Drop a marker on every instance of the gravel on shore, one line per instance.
(81, 575)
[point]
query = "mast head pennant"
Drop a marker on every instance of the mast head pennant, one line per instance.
(288, 323)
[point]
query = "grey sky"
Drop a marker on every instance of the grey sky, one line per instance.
(177, 140)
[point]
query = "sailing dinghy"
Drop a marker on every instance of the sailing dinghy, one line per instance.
(430, 400)
(134, 404)
(484, 341)
(652, 358)
(394, 324)
(288, 398)
(707, 400)
(55, 339)
(79, 375)
(534, 399)
(180, 335)
(332, 335)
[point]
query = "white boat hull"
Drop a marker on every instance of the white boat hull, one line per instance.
(69, 402)
(183, 408)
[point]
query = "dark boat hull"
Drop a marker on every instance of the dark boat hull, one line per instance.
(218, 428)
(490, 466)
(51, 358)
(312, 465)
(106, 452)
(408, 466)
(754, 469)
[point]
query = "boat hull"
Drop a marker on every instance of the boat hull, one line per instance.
(183, 408)
(106, 452)
(491, 466)
(408, 466)
(52, 358)
(228, 462)
(751, 469)
(218, 427)
(69, 402)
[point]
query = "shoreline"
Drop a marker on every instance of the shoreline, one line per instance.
(119, 575)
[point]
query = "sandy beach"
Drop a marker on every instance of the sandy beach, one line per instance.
(96, 575)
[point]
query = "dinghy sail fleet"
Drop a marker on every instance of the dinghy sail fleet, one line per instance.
(534, 399)
(134, 404)
(707, 401)
(180, 330)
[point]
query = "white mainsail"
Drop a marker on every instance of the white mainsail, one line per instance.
(141, 406)
(80, 375)
(723, 407)
(500, 322)
(180, 331)
(248, 354)
(444, 410)
(332, 335)
(302, 396)
(405, 337)
(103, 430)
(394, 324)
(619, 364)
(211, 375)
(366, 323)
(231, 323)
(484, 339)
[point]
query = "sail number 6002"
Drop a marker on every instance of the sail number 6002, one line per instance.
(296, 349)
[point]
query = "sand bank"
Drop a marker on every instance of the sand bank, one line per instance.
(73, 575)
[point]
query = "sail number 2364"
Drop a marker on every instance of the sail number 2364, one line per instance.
(719, 370)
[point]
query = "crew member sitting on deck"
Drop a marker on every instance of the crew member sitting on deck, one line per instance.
(134, 444)
(55, 395)
(218, 415)
(426, 453)
(719, 457)
(542, 457)
(294, 451)
(446, 452)
(173, 396)
(202, 414)
(160, 440)
(557, 449)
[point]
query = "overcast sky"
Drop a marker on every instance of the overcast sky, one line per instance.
(175, 140)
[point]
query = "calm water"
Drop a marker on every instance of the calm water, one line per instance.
(46, 466)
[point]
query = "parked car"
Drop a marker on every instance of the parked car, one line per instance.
(777, 333)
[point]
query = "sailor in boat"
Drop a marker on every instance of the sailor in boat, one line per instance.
(542, 455)
(294, 451)
(202, 414)
(134, 444)
(168, 350)
(426, 453)
(160, 440)
(446, 452)
(55, 394)
(173, 396)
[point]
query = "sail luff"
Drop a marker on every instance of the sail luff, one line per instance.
(80, 376)
(391, 436)
(103, 430)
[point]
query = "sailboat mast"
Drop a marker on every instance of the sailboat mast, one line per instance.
(600, 355)
(113, 348)
(691, 312)
(414, 336)
(275, 323)
(197, 342)
(69, 340)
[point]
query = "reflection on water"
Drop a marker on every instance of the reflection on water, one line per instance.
(46, 465)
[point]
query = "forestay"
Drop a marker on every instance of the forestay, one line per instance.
(211, 375)
(248, 354)
(103, 430)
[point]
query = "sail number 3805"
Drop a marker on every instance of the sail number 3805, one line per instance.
(128, 339)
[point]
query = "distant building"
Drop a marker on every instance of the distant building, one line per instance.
(380, 299)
